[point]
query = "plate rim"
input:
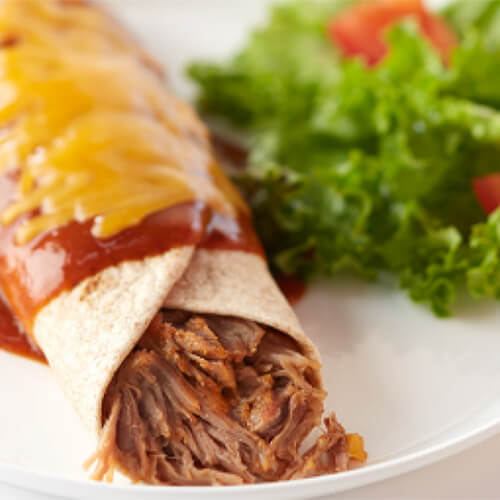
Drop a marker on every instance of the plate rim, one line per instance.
(51, 484)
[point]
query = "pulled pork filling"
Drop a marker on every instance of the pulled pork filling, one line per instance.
(206, 399)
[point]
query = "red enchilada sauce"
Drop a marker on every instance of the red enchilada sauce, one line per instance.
(292, 288)
(13, 337)
(62, 258)
(31, 274)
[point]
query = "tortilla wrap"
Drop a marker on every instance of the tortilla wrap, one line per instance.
(87, 332)
(131, 261)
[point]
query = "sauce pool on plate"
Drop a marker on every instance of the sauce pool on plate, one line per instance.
(12, 336)
(293, 288)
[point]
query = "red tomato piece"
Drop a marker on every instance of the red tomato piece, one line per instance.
(359, 30)
(440, 35)
(487, 190)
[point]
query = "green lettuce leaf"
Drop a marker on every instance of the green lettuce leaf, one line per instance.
(368, 170)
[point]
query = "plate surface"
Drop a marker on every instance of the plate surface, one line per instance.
(416, 387)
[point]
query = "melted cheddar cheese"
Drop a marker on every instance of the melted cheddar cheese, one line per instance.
(89, 129)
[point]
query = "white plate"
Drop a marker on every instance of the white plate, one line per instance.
(416, 387)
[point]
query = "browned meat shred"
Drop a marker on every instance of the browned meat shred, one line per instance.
(208, 400)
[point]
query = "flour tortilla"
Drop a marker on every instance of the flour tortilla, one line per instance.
(87, 332)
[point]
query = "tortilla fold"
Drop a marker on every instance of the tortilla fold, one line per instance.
(87, 332)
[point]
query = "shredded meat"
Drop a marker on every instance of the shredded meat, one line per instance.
(215, 400)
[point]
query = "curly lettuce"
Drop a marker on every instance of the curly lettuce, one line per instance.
(369, 170)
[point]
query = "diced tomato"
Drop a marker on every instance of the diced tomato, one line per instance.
(359, 30)
(487, 190)
(440, 35)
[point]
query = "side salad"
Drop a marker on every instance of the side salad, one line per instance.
(374, 134)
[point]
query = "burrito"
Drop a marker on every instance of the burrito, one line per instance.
(129, 260)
